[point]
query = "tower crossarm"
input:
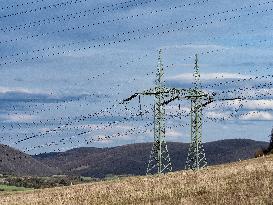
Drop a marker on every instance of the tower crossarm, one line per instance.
(188, 94)
(211, 100)
(147, 92)
(154, 91)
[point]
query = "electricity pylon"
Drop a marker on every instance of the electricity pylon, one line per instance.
(199, 99)
(159, 158)
(159, 161)
(196, 155)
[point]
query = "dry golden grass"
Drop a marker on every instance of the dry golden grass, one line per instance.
(246, 182)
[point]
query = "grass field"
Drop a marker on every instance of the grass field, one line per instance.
(246, 182)
(12, 188)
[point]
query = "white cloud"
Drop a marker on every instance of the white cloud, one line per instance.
(177, 135)
(195, 46)
(22, 90)
(173, 133)
(4, 90)
(217, 115)
(19, 118)
(246, 104)
(256, 104)
(256, 115)
(91, 126)
(258, 92)
(188, 77)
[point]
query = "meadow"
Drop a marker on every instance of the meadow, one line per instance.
(8, 188)
(245, 182)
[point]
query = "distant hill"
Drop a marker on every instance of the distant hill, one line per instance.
(123, 160)
(132, 159)
(15, 162)
(244, 182)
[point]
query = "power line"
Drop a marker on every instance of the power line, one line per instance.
(80, 119)
(69, 138)
(129, 32)
(73, 100)
(114, 42)
(256, 78)
(87, 13)
(261, 77)
(119, 134)
(21, 4)
(42, 8)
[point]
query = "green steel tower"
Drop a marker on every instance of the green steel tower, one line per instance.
(196, 156)
(159, 161)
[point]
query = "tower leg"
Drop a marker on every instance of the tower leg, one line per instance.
(159, 161)
(196, 156)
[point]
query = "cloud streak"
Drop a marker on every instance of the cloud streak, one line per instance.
(257, 116)
(188, 77)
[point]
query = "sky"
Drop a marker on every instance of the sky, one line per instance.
(66, 65)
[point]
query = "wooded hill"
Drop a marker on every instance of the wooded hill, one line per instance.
(132, 159)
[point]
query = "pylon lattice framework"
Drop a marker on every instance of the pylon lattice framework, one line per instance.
(159, 161)
(196, 155)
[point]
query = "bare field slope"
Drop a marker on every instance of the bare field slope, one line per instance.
(15, 162)
(245, 182)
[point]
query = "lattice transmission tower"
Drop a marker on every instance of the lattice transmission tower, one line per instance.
(196, 155)
(159, 158)
(159, 161)
(196, 158)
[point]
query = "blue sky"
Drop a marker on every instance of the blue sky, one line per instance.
(51, 80)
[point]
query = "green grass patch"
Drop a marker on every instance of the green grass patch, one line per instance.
(9, 188)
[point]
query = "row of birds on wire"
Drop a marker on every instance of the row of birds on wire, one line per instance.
(124, 36)
(69, 122)
(112, 111)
